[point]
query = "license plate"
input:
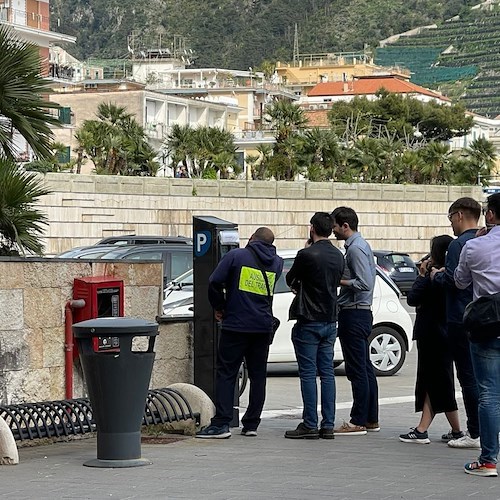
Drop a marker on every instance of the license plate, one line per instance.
(405, 269)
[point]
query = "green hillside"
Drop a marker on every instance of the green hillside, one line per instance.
(242, 33)
(461, 56)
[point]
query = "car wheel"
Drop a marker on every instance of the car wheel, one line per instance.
(387, 350)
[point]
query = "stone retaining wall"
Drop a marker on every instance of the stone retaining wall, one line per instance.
(85, 208)
(33, 294)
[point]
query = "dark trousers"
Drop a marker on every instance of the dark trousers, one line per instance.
(233, 347)
(354, 328)
(460, 350)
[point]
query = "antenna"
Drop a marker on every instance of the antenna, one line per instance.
(296, 45)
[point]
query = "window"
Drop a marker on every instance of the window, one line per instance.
(281, 286)
(153, 255)
(180, 263)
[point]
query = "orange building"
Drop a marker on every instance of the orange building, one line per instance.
(30, 20)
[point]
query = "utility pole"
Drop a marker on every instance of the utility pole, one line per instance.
(296, 55)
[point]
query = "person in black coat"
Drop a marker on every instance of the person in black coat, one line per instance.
(434, 388)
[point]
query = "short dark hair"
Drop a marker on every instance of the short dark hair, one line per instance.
(468, 205)
(341, 215)
(439, 246)
(322, 223)
(494, 204)
(264, 234)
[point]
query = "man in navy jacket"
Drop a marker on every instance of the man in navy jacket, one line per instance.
(239, 295)
(463, 215)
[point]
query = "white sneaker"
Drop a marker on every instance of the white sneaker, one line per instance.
(465, 442)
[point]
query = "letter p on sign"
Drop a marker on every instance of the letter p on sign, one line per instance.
(202, 243)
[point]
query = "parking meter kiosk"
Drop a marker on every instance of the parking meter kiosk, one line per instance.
(212, 239)
(104, 298)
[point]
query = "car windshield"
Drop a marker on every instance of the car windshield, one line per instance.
(184, 279)
(400, 259)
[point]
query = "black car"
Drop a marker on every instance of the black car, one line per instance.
(399, 266)
(134, 239)
(177, 259)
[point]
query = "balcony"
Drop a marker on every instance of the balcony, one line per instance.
(23, 18)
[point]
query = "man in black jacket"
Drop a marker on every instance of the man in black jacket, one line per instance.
(315, 276)
(238, 292)
(463, 215)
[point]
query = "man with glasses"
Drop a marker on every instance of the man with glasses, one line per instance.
(479, 265)
(464, 216)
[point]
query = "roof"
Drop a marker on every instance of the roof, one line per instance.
(370, 85)
(317, 118)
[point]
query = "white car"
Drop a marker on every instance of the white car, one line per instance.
(391, 336)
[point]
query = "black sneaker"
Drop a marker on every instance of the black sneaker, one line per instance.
(415, 436)
(452, 435)
(214, 432)
(302, 432)
(326, 433)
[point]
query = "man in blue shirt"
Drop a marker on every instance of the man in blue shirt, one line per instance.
(463, 215)
(355, 323)
(238, 292)
(479, 265)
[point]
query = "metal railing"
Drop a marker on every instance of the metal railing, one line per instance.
(23, 18)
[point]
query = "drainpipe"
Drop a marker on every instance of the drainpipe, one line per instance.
(68, 344)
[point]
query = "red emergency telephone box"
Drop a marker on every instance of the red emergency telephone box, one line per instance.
(104, 298)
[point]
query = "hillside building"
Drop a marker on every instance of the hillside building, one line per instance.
(308, 70)
(30, 20)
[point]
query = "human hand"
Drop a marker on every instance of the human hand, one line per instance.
(435, 270)
(424, 267)
(218, 315)
(481, 231)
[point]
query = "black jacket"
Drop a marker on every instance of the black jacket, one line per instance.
(316, 274)
(429, 300)
(456, 299)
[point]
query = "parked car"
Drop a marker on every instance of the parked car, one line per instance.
(392, 326)
(177, 259)
(133, 239)
(399, 266)
(87, 252)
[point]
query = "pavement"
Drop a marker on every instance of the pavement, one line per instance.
(375, 466)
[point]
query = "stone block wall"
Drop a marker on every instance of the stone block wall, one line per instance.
(83, 209)
(33, 294)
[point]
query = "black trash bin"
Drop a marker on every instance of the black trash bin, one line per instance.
(117, 381)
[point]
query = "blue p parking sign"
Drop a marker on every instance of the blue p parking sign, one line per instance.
(202, 242)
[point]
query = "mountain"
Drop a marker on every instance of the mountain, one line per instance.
(242, 33)
(461, 57)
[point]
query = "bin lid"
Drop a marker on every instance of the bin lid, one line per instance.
(114, 327)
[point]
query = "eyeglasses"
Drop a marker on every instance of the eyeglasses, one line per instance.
(450, 216)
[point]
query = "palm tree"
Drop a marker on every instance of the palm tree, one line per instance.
(482, 156)
(179, 143)
(436, 156)
(22, 107)
(116, 143)
(20, 224)
(285, 118)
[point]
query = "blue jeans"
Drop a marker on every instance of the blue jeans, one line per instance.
(313, 343)
(486, 362)
(355, 326)
(461, 352)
